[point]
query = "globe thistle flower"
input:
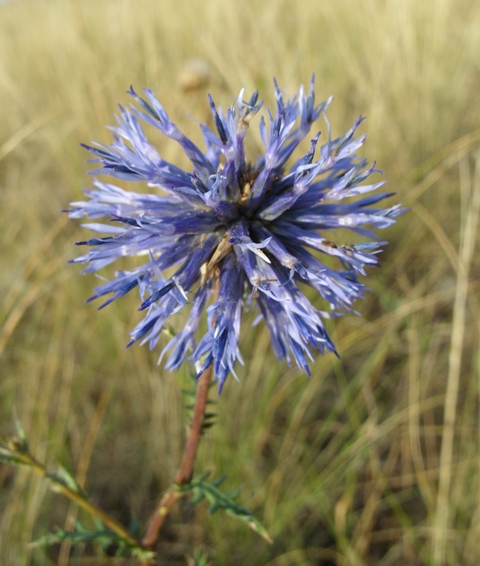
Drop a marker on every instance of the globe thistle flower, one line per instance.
(234, 234)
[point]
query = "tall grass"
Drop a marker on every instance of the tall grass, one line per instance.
(375, 459)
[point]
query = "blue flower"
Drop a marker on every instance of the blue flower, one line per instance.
(234, 234)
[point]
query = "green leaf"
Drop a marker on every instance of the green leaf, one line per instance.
(98, 524)
(20, 431)
(200, 558)
(6, 456)
(65, 478)
(105, 537)
(218, 481)
(78, 536)
(209, 416)
(135, 527)
(202, 489)
(189, 405)
(16, 445)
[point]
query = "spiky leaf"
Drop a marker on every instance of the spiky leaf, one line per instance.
(202, 489)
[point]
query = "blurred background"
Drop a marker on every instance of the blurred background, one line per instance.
(375, 459)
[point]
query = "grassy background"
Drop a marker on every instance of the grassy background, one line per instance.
(375, 459)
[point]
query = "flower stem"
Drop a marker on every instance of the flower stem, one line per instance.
(80, 500)
(184, 474)
(185, 471)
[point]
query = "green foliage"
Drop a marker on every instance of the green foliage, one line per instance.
(16, 451)
(209, 491)
(13, 450)
(8, 457)
(105, 538)
(81, 534)
(200, 558)
(189, 404)
(63, 478)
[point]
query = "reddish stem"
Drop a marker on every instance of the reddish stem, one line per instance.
(185, 470)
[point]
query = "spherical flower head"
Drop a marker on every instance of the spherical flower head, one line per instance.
(234, 234)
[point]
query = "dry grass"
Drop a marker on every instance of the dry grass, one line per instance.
(375, 459)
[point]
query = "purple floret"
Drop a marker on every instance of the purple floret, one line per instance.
(235, 232)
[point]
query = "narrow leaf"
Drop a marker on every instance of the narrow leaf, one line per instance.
(202, 489)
